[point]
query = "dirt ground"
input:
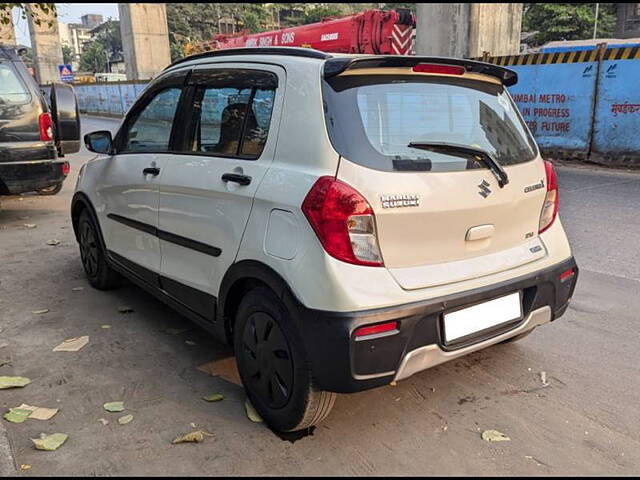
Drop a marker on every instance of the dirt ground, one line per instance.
(585, 422)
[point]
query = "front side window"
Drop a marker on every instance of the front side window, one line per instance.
(233, 117)
(151, 129)
(373, 119)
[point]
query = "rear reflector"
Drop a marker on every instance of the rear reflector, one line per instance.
(566, 274)
(373, 329)
(436, 68)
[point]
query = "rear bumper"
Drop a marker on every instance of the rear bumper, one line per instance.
(342, 364)
(29, 176)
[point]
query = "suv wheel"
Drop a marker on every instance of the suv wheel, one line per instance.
(52, 190)
(273, 367)
(99, 273)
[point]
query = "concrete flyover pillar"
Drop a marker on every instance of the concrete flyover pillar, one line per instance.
(45, 42)
(7, 33)
(145, 39)
(468, 29)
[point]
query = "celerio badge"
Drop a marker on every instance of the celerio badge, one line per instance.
(401, 200)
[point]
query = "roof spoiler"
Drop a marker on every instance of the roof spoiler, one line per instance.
(336, 65)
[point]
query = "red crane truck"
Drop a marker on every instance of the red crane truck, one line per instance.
(389, 32)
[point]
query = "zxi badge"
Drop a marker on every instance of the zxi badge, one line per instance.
(484, 189)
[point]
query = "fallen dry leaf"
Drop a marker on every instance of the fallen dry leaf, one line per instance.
(125, 419)
(77, 289)
(103, 421)
(192, 437)
(53, 242)
(125, 309)
(105, 326)
(251, 412)
(13, 382)
(24, 466)
(49, 442)
(39, 413)
(30, 225)
(40, 312)
(72, 344)
(494, 436)
(216, 397)
(114, 406)
(190, 342)
(17, 415)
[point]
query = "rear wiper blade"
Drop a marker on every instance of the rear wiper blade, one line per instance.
(465, 150)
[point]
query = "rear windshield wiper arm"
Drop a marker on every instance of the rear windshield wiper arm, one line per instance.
(465, 150)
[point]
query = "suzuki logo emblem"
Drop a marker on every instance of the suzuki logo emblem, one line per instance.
(484, 189)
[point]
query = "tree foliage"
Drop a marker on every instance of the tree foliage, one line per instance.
(94, 58)
(36, 12)
(67, 54)
(568, 21)
(105, 45)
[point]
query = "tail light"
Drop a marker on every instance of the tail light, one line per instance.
(551, 200)
(65, 168)
(46, 127)
(343, 221)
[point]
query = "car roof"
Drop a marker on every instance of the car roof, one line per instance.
(336, 63)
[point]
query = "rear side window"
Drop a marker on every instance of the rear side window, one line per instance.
(372, 119)
(151, 130)
(12, 89)
(233, 113)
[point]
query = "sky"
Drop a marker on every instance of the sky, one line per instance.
(67, 13)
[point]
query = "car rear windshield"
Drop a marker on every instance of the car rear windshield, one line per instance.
(12, 90)
(372, 119)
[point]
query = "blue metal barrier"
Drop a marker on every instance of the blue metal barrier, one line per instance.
(581, 102)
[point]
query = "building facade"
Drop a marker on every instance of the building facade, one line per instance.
(627, 20)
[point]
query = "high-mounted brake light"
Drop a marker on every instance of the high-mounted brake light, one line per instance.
(378, 328)
(343, 221)
(551, 200)
(436, 68)
(46, 127)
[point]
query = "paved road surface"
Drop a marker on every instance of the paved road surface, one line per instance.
(584, 423)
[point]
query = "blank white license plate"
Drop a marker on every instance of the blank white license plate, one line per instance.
(469, 320)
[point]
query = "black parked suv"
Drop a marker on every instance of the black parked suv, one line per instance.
(34, 134)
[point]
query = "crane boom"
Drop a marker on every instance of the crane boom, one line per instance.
(387, 32)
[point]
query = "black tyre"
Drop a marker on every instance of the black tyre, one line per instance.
(516, 338)
(52, 190)
(273, 365)
(99, 273)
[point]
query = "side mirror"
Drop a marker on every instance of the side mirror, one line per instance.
(98, 142)
(66, 118)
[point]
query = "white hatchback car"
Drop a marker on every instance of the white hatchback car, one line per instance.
(344, 221)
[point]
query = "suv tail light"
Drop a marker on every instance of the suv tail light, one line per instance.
(46, 127)
(65, 168)
(343, 221)
(551, 201)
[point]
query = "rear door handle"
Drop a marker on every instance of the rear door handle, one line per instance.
(151, 171)
(237, 178)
